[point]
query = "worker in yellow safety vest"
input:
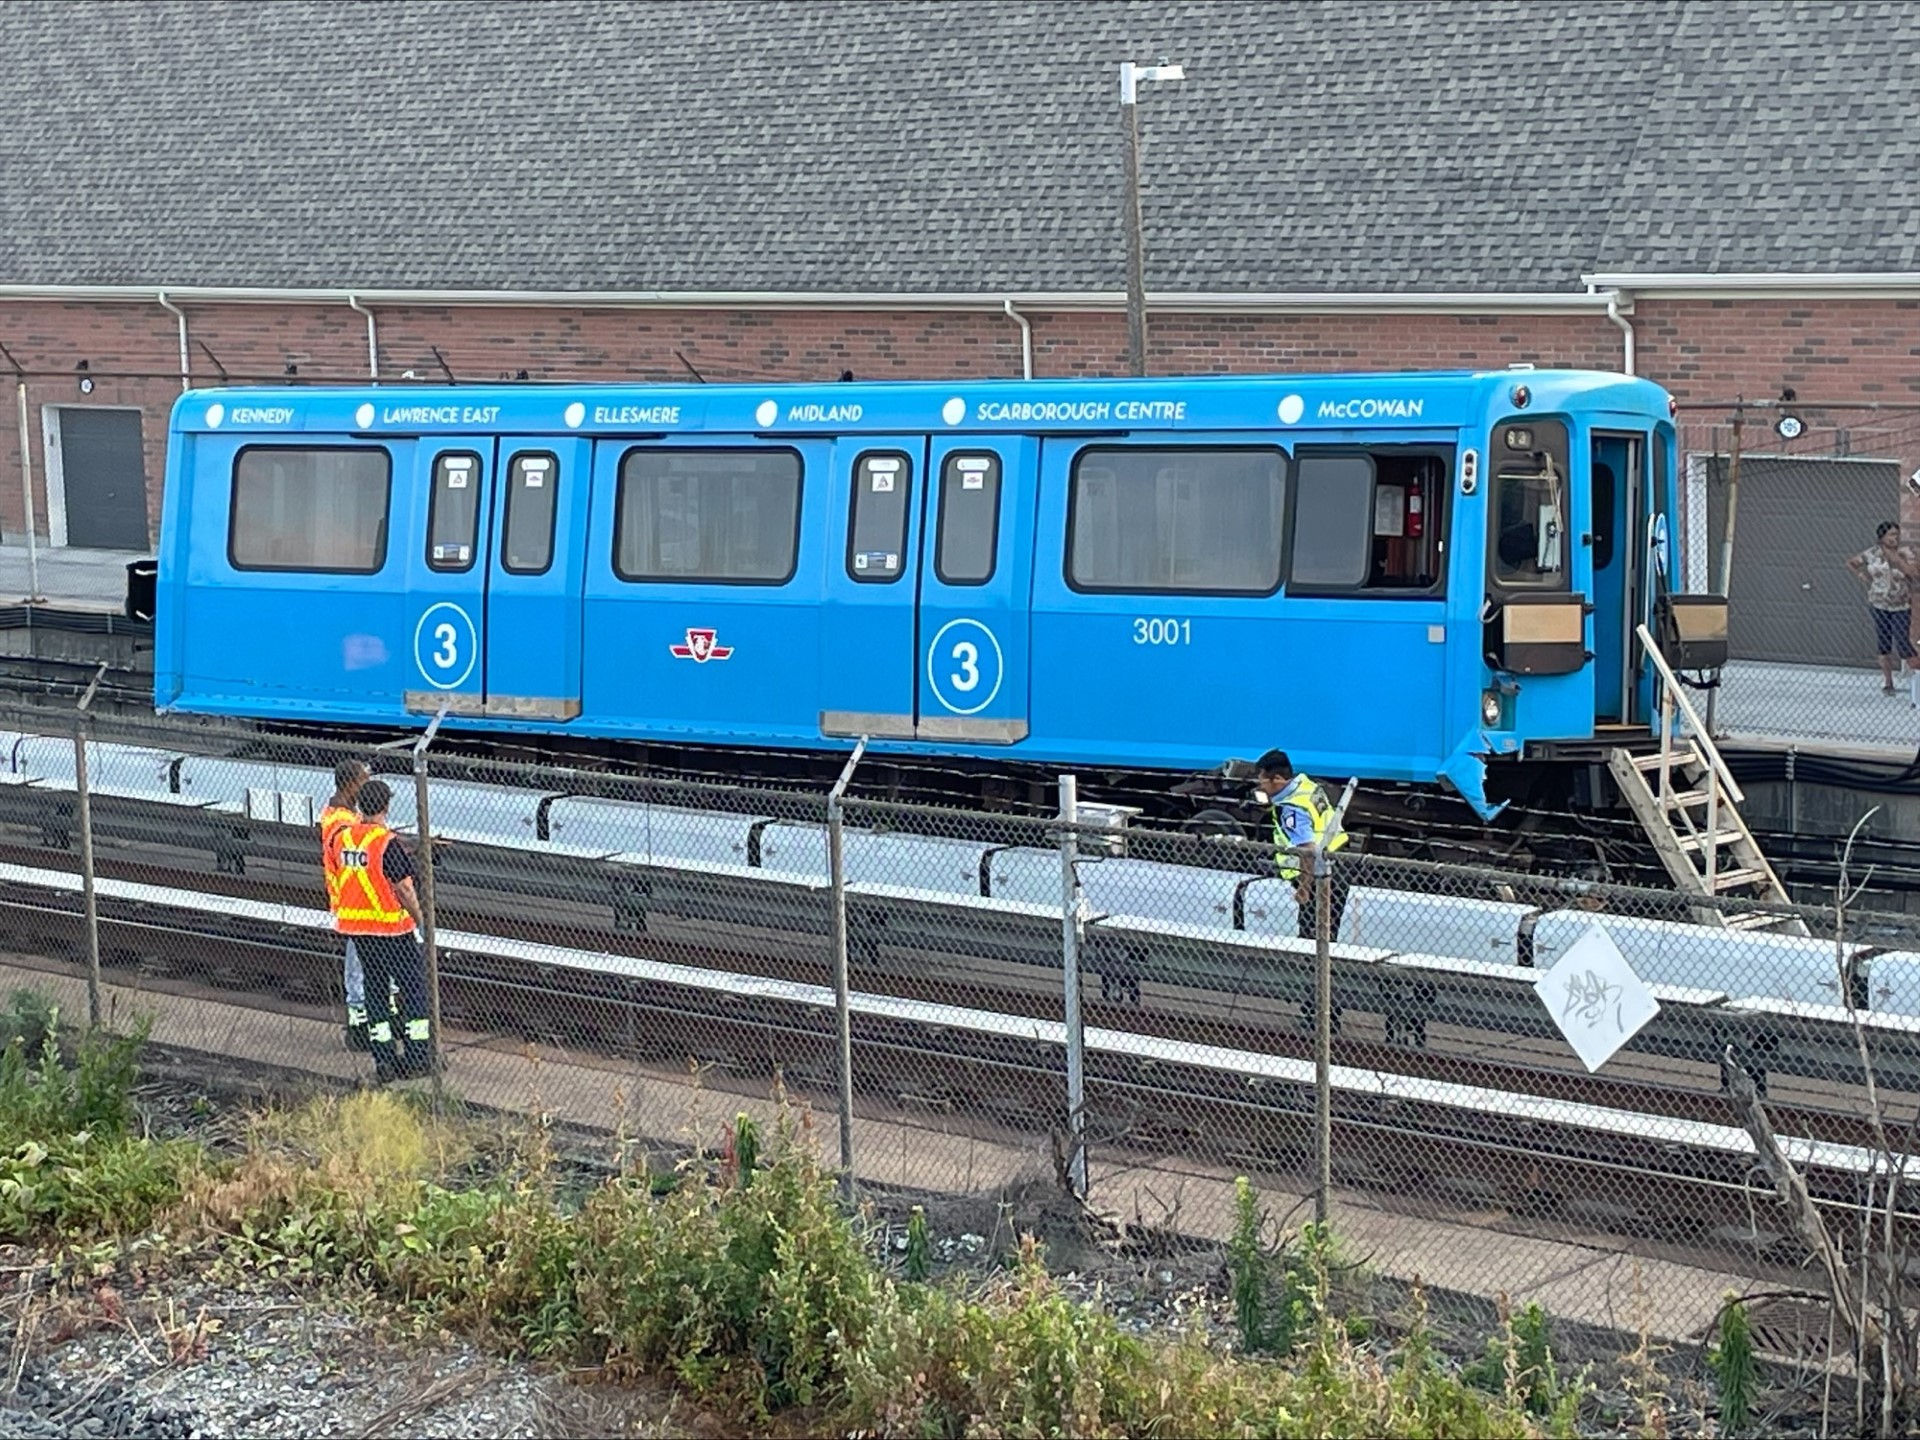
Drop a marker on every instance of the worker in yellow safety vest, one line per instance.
(380, 909)
(1304, 822)
(335, 817)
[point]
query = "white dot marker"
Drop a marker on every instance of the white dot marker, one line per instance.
(768, 412)
(576, 413)
(215, 414)
(363, 417)
(1291, 409)
(954, 411)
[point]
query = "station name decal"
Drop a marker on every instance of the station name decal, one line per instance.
(636, 414)
(439, 414)
(1078, 411)
(261, 415)
(1370, 409)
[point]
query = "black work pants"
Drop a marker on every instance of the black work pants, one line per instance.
(402, 1044)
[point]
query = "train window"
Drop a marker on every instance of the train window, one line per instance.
(731, 517)
(1606, 493)
(969, 540)
(877, 520)
(526, 538)
(1368, 522)
(1176, 521)
(1529, 504)
(453, 512)
(315, 509)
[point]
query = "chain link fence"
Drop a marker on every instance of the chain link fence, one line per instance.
(1780, 504)
(1490, 1080)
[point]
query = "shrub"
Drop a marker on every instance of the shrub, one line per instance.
(1734, 1368)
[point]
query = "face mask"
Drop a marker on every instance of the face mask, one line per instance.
(1260, 797)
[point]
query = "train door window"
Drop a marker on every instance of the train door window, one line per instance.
(453, 512)
(877, 519)
(1191, 520)
(1369, 522)
(1529, 506)
(731, 517)
(313, 509)
(969, 533)
(526, 539)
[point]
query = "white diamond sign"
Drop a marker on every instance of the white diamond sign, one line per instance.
(1595, 998)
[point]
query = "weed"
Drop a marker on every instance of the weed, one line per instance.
(919, 1247)
(1518, 1362)
(1734, 1369)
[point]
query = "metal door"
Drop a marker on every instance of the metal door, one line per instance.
(535, 570)
(451, 511)
(868, 639)
(103, 477)
(976, 579)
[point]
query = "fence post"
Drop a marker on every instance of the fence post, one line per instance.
(423, 829)
(842, 985)
(1725, 587)
(1070, 968)
(83, 789)
(1322, 864)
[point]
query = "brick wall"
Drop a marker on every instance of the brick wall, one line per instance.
(1703, 350)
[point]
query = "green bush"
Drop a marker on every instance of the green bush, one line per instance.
(1734, 1368)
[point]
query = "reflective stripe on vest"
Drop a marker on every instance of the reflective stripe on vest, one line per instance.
(333, 821)
(368, 903)
(1309, 797)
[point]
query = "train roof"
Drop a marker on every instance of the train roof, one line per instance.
(1411, 400)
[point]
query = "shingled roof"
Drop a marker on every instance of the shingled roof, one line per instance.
(793, 145)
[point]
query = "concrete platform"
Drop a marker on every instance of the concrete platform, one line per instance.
(1833, 710)
(70, 579)
(1593, 1280)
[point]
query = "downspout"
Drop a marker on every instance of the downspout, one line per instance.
(373, 336)
(1626, 327)
(186, 372)
(1026, 339)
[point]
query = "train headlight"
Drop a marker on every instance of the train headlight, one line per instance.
(1490, 708)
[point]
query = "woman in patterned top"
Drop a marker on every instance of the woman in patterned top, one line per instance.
(1885, 569)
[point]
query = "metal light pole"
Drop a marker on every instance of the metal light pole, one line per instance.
(1130, 77)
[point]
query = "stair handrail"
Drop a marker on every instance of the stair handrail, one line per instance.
(1671, 688)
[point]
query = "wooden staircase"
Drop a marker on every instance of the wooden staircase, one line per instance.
(1688, 802)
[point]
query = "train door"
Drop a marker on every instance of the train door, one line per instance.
(706, 623)
(496, 587)
(1616, 544)
(976, 579)
(447, 574)
(867, 640)
(535, 566)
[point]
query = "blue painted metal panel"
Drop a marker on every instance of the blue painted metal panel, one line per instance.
(442, 647)
(533, 639)
(973, 674)
(704, 660)
(867, 631)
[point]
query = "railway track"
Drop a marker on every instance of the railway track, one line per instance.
(1631, 1184)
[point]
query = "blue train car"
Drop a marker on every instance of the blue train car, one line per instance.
(1395, 576)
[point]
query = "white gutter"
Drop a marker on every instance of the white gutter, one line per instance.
(1626, 330)
(186, 367)
(1191, 302)
(1026, 340)
(373, 338)
(1757, 284)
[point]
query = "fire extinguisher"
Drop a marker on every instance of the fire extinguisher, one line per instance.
(1415, 509)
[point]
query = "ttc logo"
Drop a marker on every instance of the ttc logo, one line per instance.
(700, 647)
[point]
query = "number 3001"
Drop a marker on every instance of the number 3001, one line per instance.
(1162, 632)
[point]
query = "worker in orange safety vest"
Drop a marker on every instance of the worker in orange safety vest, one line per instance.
(380, 909)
